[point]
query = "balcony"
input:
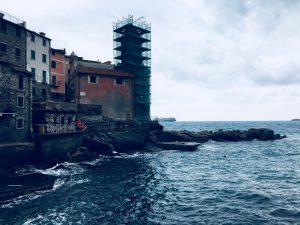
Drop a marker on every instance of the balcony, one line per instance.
(55, 83)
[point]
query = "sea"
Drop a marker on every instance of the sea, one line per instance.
(220, 183)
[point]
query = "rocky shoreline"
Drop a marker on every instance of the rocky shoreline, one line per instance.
(110, 137)
(126, 137)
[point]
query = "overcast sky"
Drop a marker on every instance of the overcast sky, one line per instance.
(211, 59)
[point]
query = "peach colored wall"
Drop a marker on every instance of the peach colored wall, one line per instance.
(59, 72)
(116, 100)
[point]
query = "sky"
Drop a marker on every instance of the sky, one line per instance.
(212, 60)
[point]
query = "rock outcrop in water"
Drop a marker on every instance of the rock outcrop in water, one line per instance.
(109, 136)
(261, 134)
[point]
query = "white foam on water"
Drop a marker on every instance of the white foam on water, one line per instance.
(94, 162)
(32, 220)
(24, 198)
(52, 218)
(66, 170)
(75, 182)
(58, 183)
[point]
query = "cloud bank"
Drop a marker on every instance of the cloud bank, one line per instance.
(211, 59)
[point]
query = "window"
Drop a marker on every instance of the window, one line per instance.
(18, 52)
(3, 47)
(3, 26)
(33, 91)
(44, 58)
(18, 31)
(20, 101)
(53, 81)
(32, 54)
(92, 79)
(20, 123)
(119, 81)
(32, 37)
(21, 82)
(44, 76)
(33, 71)
(53, 64)
(44, 42)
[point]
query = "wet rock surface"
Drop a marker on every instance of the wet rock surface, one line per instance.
(260, 134)
(12, 186)
(108, 136)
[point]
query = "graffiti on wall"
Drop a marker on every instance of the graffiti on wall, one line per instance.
(60, 123)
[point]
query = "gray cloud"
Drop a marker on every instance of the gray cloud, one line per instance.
(218, 53)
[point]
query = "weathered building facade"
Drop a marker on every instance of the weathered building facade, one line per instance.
(95, 83)
(55, 130)
(15, 83)
(57, 77)
(38, 62)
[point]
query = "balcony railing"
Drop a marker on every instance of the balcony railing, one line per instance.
(55, 83)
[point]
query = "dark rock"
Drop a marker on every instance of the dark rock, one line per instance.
(126, 141)
(98, 146)
(81, 155)
(266, 134)
(14, 186)
(154, 126)
(150, 147)
(171, 136)
(196, 137)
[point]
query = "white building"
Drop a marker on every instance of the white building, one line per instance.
(38, 56)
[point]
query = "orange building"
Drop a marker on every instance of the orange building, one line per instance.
(95, 83)
(57, 71)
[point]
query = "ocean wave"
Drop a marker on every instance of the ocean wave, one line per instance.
(62, 169)
(52, 218)
(286, 213)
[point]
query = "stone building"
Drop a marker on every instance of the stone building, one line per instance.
(57, 78)
(96, 83)
(38, 62)
(15, 82)
(12, 41)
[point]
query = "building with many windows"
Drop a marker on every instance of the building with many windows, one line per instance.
(15, 82)
(38, 62)
(57, 77)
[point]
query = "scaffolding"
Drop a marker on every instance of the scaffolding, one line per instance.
(132, 53)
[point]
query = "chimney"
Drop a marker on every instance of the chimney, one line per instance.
(1, 15)
(42, 33)
(23, 24)
(107, 62)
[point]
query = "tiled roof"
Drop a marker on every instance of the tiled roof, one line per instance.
(106, 72)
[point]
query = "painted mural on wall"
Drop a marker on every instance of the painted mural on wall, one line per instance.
(60, 123)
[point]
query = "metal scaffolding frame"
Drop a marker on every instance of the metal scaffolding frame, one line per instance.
(132, 53)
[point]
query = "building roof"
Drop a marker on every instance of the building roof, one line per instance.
(41, 34)
(95, 64)
(15, 67)
(62, 51)
(105, 72)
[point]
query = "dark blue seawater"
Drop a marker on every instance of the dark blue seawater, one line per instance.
(220, 183)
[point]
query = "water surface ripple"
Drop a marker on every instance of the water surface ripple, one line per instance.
(220, 183)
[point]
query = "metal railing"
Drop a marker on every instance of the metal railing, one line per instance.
(12, 19)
